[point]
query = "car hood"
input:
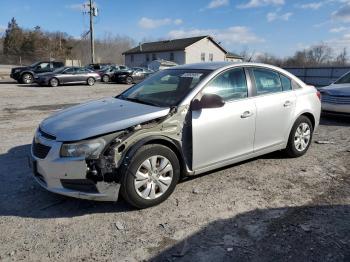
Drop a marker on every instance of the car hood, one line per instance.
(337, 90)
(98, 118)
(21, 68)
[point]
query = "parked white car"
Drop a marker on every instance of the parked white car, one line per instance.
(336, 97)
(181, 121)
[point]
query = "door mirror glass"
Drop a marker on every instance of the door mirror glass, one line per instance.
(207, 101)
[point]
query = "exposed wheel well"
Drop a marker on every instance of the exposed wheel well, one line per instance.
(311, 117)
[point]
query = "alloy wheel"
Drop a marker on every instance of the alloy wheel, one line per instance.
(54, 82)
(27, 78)
(302, 137)
(105, 78)
(91, 81)
(153, 177)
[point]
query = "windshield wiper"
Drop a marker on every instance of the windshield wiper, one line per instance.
(137, 100)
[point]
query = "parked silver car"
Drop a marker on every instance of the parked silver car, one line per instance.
(178, 122)
(336, 97)
(67, 75)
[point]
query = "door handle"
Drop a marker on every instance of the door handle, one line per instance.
(287, 103)
(246, 114)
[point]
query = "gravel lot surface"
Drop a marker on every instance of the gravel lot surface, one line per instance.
(268, 209)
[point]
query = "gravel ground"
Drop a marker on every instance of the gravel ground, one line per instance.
(267, 209)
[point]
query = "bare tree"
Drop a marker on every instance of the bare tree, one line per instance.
(320, 54)
(342, 58)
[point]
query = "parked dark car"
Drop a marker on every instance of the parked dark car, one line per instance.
(98, 66)
(130, 77)
(26, 74)
(68, 75)
(107, 74)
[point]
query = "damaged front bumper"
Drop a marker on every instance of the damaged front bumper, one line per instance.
(67, 176)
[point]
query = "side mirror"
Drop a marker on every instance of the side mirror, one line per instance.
(207, 101)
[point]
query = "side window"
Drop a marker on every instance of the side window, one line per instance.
(43, 66)
(81, 71)
(286, 83)
(203, 57)
(230, 85)
(69, 71)
(57, 65)
(267, 81)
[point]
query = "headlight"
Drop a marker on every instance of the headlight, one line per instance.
(16, 71)
(88, 149)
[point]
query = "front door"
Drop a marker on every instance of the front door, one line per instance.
(222, 134)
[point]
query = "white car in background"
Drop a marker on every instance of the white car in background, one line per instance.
(336, 97)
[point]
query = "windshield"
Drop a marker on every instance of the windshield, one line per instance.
(344, 80)
(35, 64)
(166, 88)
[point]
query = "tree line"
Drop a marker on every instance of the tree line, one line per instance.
(25, 46)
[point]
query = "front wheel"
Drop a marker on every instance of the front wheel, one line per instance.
(300, 137)
(90, 81)
(53, 82)
(27, 78)
(151, 176)
(105, 78)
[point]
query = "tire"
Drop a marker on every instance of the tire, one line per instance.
(54, 82)
(105, 78)
(299, 142)
(27, 78)
(141, 196)
(129, 80)
(90, 81)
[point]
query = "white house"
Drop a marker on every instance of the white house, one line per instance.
(180, 51)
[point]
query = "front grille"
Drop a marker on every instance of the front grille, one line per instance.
(46, 135)
(343, 100)
(40, 150)
(83, 185)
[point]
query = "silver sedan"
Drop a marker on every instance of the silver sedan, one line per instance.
(66, 76)
(336, 97)
(181, 121)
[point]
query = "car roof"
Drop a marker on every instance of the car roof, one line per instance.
(220, 65)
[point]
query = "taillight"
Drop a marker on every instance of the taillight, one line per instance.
(318, 93)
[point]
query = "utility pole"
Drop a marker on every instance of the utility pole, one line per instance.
(92, 13)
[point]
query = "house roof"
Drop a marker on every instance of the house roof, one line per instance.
(233, 55)
(169, 45)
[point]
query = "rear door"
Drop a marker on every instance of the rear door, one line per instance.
(67, 76)
(222, 134)
(81, 75)
(275, 104)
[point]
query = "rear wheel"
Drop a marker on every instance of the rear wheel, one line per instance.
(90, 81)
(300, 137)
(54, 82)
(105, 78)
(129, 80)
(151, 176)
(27, 78)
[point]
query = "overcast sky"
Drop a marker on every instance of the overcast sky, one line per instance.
(276, 26)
